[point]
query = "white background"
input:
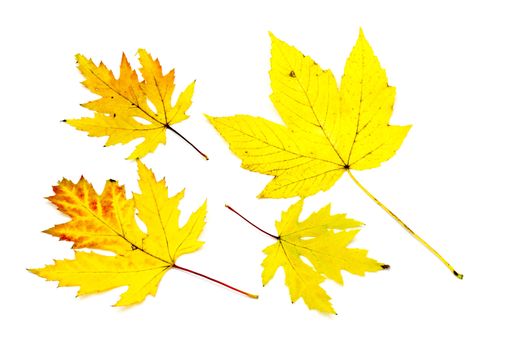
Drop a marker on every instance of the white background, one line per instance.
(457, 179)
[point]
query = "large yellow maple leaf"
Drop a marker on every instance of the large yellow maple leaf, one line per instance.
(327, 131)
(312, 251)
(107, 222)
(124, 100)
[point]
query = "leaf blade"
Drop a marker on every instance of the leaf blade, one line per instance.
(107, 222)
(322, 241)
(103, 221)
(367, 101)
(95, 273)
(123, 112)
(326, 130)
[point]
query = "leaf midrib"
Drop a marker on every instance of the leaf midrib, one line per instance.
(126, 98)
(312, 108)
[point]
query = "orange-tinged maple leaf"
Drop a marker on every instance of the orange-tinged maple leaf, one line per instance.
(327, 130)
(107, 222)
(97, 221)
(124, 100)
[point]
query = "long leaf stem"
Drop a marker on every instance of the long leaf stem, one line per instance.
(253, 296)
(251, 223)
(187, 141)
(405, 226)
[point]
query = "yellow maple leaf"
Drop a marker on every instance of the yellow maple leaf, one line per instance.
(124, 100)
(313, 250)
(107, 222)
(327, 130)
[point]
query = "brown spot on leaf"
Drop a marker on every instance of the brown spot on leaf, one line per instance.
(63, 237)
(93, 205)
(291, 74)
(107, 208)
(80, 193)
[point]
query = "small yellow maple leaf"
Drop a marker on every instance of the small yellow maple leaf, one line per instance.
(126, 100)
(107, 222)
(322, 240)
(328, 130)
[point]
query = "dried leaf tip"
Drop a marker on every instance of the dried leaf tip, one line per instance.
(458, 275)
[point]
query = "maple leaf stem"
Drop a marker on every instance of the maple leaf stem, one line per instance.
(253, 296)
(251, 223)
(405, 226)
(187, 141)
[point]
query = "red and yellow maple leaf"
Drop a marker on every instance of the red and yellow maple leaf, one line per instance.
(107, 222)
